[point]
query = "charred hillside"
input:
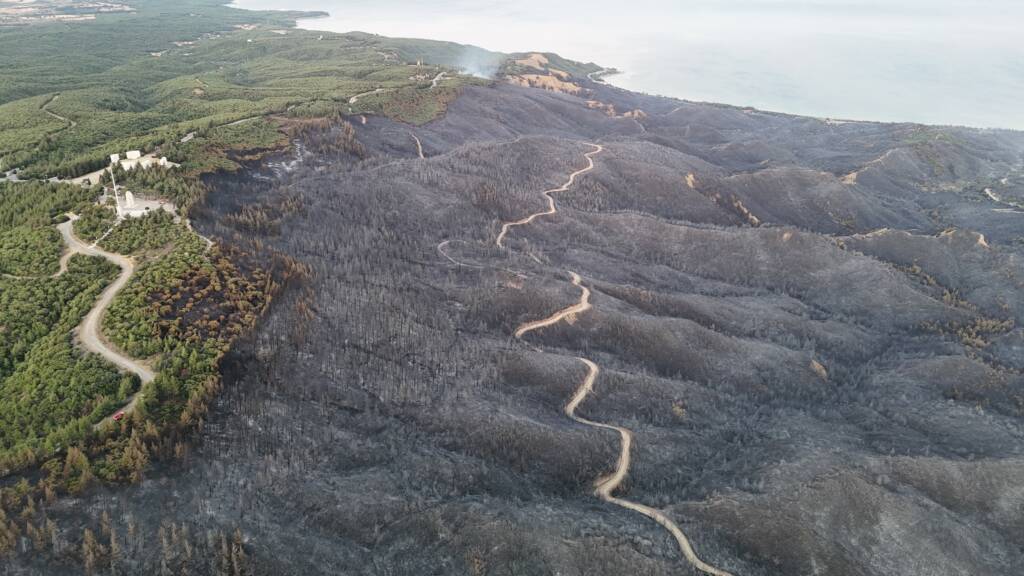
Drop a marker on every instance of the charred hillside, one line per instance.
(811, 328)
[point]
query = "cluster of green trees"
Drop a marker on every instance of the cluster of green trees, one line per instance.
(94, 221)
(209, 106)
(26, 251)
(150, 232)
(183, 309)
(62, 115)
(223, 147)
(50, 393)
(29, 245)
(414, 104)
(171, 184)
(187, 307)
(22, 122)
(37, 204)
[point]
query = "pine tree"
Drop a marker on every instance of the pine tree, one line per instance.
(52, 535)
(90, 551)
(115, 552)
(105, 524)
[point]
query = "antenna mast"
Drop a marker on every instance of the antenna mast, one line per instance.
(113, 180)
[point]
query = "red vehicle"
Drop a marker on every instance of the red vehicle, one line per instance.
(119, 416)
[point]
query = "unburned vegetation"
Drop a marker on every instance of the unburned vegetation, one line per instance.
(794, 385)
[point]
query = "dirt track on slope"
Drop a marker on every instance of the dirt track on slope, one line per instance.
(44, 108)
(89, 330)
(89, 334)
(419, 145)
(605, 486)
(355, 99)
(582, 306)
(552, 209)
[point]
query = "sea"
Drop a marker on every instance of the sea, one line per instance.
(947, 62)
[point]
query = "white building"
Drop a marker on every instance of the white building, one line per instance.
(128, 206)
(134, 159)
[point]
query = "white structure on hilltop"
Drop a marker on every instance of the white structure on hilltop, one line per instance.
(134, 159)
(127, 206)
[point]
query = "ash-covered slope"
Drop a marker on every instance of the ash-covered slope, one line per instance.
(810, 328)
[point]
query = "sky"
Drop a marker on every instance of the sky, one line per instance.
(938, 62)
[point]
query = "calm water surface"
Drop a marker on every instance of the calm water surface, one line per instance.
(938, 62)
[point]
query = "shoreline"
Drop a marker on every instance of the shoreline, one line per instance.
(625, 79)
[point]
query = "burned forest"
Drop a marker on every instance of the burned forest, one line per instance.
(809, 332)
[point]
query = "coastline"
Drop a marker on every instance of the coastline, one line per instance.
(306, 20)
(709, 76)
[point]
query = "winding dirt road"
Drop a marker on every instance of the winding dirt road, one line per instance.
(582, 306)
(442, 249)
(355, 99)
(89, 330)
(207, 241)
(45, 108)
(419, 145)
(552, 209)
(1009, 206)
(605, 486)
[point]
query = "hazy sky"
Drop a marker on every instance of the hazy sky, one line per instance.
(939, 61)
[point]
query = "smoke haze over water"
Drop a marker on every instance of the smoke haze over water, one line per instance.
(939, 62)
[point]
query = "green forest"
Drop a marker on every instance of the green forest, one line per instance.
(210, 88)
(180, 311)
(93, 221)
(151, 232)
(50, 394)
(196, 79)
(29, 244)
